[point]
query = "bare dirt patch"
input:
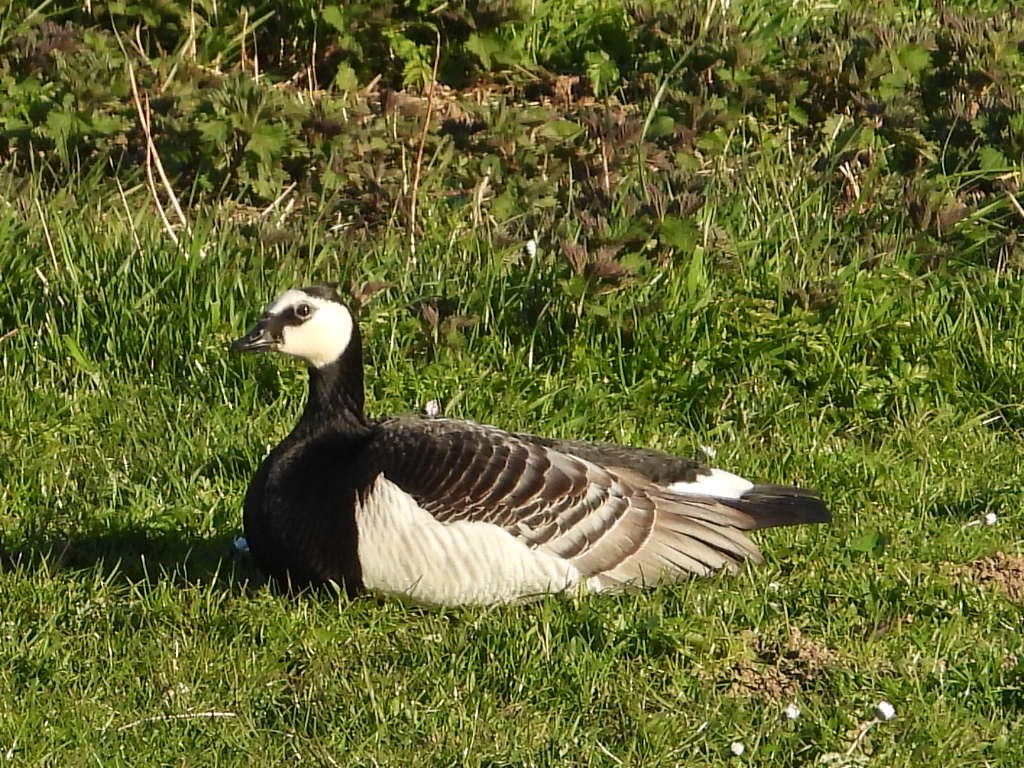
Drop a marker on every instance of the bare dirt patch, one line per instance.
(1000, 571)
(780, 669)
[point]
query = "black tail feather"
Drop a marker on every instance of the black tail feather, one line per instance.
(774, 505)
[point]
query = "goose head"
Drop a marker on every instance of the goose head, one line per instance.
(311, 324)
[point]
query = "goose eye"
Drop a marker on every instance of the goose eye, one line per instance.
(303, 311)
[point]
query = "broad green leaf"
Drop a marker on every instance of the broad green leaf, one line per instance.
(564, 130)
(661, 125)
(333, 15)
(504, 206)
(535, 115)
(61, 123)
(345, 79)
(634, 262)
(601, 71)
(106, 124)
(798, 114)
(870, 543)
(991, 159)
(679, 233)
(484, 47)
(213, 131)
(267, 140)
(914, 58)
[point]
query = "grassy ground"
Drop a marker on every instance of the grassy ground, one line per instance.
(801, 345)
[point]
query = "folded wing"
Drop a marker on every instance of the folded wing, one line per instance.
(618, 525)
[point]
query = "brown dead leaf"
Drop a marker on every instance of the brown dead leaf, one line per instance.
(576, 256)
(361, 296)
(607, 270)
(444, 105)
(563, 90)
(429, 314)
(458, 322)
(605, 265)
(950, 215)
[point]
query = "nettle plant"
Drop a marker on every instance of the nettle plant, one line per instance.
(595, 124)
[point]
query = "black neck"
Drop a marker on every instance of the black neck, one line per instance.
(336, 392)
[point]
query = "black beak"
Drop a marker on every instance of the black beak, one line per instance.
(259, 339)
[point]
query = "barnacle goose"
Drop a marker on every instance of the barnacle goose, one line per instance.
(450, 512)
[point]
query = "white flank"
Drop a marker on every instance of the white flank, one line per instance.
(320, 340)
(404, 550)
(720, 484)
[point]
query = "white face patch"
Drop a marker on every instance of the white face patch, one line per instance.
(322, 338)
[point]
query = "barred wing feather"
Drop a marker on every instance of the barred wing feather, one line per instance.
(616, 526)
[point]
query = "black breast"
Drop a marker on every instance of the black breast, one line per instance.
(300, 512)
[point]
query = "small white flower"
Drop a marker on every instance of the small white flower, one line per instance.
(708, 450)
(791, 712)
(885, 711)
(774, 586)
(990, 518)
(737, 748)
(531, 248)
(241, 544)
(432, 408)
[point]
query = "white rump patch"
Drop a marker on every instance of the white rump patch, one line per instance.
(719, 484)
(323, 337)
(405, 551)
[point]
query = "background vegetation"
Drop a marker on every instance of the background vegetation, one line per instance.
(787, 232)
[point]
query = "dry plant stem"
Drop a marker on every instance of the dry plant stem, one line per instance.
(608, 753)
(190, 44)
(9, 334)
(151, 184)
(128, 214)
(255, 57)
(277, 201)
(245, 33)
(137, 42)
(163, 175)
(419, 151)
(153, 160)
(46, 234)
(181, 716)
(370, 86)
(851, 179)
(479, 195)
(605, 178)
(1015, 203)
(396, 204)
(314, 86)
(864, 728)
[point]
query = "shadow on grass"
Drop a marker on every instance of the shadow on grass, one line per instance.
(137, 555)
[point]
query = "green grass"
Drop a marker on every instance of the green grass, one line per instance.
(805, 336)
(130, 434)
